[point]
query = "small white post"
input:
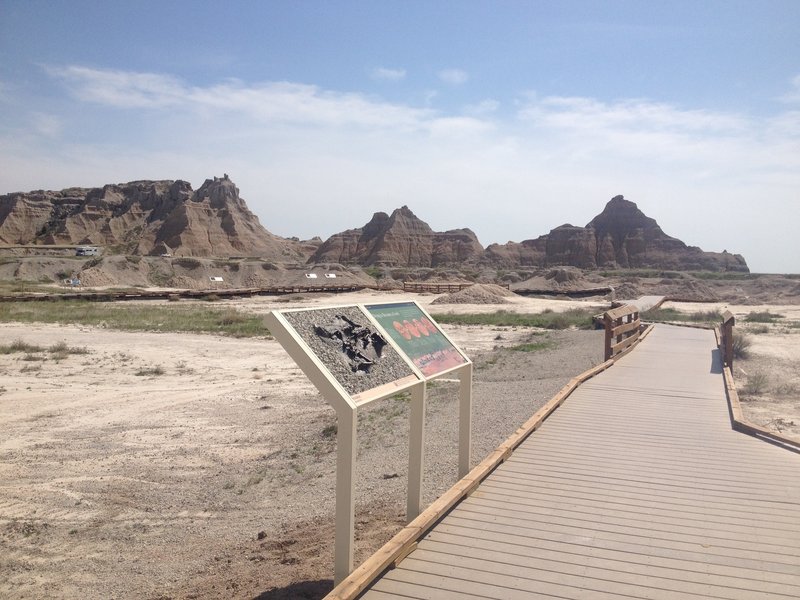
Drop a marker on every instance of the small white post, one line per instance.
(464, 419)
(416, 451)
(346, 450)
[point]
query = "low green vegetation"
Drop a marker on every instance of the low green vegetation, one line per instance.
(127, 317)
(532, 346)
(671, 314)
(577, 317)
(762, 317)
(725, 275)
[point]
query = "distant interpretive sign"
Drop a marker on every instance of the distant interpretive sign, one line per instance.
(417, 336)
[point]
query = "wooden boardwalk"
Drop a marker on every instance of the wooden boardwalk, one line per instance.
(636, 487)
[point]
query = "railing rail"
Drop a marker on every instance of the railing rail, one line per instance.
(623, 327)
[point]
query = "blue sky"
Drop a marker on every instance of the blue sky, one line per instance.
(506, 117)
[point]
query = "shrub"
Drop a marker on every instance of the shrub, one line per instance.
(187, 262)
(757, 383)
(762, 317)
(741, 345)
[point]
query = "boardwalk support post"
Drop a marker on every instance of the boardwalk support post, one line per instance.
(726, 338)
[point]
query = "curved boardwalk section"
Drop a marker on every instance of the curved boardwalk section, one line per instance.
(636, 487)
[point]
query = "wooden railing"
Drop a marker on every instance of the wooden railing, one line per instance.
(438, 287)
(726, 338)
(622, 327)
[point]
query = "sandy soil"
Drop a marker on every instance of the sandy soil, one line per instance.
(213, 476)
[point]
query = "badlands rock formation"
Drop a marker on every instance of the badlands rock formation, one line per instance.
(146, 217)
(622, 236)
(400, 239)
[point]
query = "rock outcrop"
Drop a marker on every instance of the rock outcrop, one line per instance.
(621, 236)
(146, 217)
(400, 239)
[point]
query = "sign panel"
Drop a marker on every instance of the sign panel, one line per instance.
(419, 337)
(344, 340)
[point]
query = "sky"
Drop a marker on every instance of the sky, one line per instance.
(507, 117)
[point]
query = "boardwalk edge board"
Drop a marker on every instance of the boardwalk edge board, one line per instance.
(404, 542)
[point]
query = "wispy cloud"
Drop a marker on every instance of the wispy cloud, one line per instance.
(385, 74)
(268, 102)
(453, 76)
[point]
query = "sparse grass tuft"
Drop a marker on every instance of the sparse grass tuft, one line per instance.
(150, 371)
(62, 348)
(19, 346)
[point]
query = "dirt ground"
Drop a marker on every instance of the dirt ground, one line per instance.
(195, 466)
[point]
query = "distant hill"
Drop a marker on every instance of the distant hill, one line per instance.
(146, 217)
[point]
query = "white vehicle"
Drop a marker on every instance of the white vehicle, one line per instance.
(87, 251)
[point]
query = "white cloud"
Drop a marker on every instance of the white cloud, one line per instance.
(382, 73)
(453, 76)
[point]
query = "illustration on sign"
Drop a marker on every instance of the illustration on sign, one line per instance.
(415, 334)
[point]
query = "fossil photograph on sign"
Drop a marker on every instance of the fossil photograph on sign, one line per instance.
(350, 347)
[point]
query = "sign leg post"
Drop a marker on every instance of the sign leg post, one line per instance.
(416, 452)
(346, 447)
(464, 420)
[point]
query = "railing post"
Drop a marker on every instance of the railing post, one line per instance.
(726, 338)
(608, 322)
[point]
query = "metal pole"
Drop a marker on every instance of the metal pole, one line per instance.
(347, 445)
(464, 420)
(416, 451)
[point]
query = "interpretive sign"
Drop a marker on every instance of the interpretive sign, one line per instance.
(418, 337)
(359, 354)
